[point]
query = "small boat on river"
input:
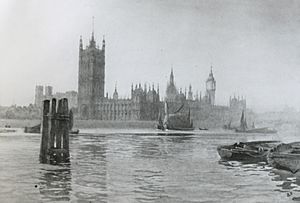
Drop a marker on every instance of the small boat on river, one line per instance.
(244, 127)
(33, 129)
(285, 156)
(247, 151)
(176, 121)
(37, 128)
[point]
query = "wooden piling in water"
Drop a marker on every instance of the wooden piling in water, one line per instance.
(53, 123)
(55, 132)
(45, 132)
(65, 129)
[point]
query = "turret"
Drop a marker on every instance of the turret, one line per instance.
(190, 93)
(115, 95)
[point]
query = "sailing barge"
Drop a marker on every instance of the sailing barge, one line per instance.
(244, 127)
(176, 121)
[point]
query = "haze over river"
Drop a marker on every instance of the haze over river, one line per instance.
(141, 166)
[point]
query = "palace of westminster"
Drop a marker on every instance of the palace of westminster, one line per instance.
(144, 103)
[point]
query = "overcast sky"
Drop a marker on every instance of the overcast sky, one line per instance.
(254, 46)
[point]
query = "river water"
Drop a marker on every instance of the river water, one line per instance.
(140, 166)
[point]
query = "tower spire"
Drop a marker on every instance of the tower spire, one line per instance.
(80, 43)
(93, 19)
(92, 42)
(172, 76)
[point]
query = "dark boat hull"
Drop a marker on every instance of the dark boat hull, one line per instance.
(34, 129)
(248, 151)
(74, 132)
(285, 156)
(181, 129)
(257, 130)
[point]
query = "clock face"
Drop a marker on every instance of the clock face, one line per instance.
(210, 85)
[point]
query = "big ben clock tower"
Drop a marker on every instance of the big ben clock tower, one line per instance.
(211, 88)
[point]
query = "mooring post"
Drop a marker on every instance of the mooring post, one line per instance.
(59, 124)
(45, 132)
(53, 123)
(65, 129)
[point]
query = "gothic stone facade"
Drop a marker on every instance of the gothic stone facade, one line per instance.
(90, 78)
(204, 111)
(92, 104)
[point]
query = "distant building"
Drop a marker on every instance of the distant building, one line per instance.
(92, 104)
(173, 96)
(237, 103)
(70, 95)
(91, 78)
(204, 110)
(210, 89)
(41, 95)
(142, 105)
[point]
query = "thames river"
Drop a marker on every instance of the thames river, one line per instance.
(140, 166)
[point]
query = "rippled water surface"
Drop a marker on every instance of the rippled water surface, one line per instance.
(132, 166)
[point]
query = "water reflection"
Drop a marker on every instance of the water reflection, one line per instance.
(160, 147)
(288, 183)
(89, 168)
(149, 185)
(55, 183)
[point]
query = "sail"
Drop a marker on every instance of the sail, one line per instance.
(160, 122)
(179, 108)
(243, 123)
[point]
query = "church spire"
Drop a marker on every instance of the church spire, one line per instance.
(93, 28)
(172, 76)
(92, 41)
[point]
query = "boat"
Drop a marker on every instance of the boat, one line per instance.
(176, 121)
(33, 129)
(74, 132)
(203, 128)
(286, 157)
(37, 128)
(247, 151)
(244, 127)
(5, 130)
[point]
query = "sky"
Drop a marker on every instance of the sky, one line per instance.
(253, 46)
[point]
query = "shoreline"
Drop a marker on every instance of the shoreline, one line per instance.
(84, 124)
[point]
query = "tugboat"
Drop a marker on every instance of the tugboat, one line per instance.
(175, 121)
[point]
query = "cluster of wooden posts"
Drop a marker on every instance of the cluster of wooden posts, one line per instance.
(55, 132)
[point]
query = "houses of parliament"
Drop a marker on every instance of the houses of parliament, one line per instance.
(144, 102)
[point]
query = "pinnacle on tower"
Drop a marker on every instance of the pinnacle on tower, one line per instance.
(80, 43)
(116, 87)
(103, 43)
(93, 28)
(172, 76)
